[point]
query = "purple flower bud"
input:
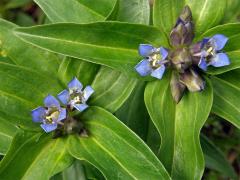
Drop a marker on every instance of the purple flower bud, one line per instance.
(177, 88)
(182, 33)
(192, 80)
(181, 59)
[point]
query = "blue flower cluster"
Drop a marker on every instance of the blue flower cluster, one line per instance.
(53, 114)
(209, 55)
(186, 59)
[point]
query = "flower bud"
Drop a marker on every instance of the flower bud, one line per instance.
(192, 80)
(177, 88)
(181, 59)
(182, 33)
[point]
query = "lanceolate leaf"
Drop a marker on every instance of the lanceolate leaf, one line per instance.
(134, 11)
(205, 14)
(133, 113)
(71, 67)
(215, 158)
(34, 156)
(23, 54)
(96, 42)
(22, 90)
(114, 149)
(227, 96)
(112, 88)
(179, 127)
(82, 11)
(7, 131)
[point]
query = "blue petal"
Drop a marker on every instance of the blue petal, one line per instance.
(49, 127)
(221, 59)
(80, 107)
(204, 42)
(75, 84)
(202, 64)
(158, 73)
(63, 114)
(38, 114)
(64, 96)
(219, 41)
(143, 68)
(51, 101)
(163, 52)
(145, 49)
(88, 91)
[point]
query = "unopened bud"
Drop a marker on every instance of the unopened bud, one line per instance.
(177, 88)
(192, 80)
(181, 59)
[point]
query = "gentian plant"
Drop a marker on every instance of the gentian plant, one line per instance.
(132, 89)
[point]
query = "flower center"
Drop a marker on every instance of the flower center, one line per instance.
(52, 115)
(154, 60)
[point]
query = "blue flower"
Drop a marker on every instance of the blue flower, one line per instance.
(154, 61)
(50, 115)
(210, 52)
(74, 96)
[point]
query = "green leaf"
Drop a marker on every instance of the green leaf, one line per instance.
(16, 3)
(7, 131)
(82, 11)
(232, 11)
(21, 90)
(114, 149)
(133, 113)
(31, 56)
(215, 158)
(166, 13)
(134, 11)
(34, 156)
(205, 15)
(179, 127)
(227, 96)
(232, 47)
(71, 67)
(112, 89)
(96, 42)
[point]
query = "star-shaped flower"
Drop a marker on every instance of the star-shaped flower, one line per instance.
(211, 54)
(74, 96)
(154, 61)
(50, 115)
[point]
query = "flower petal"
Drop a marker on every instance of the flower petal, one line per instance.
(38, 114)
(64, 96)
(202, 64)
(75, 84)
(145, 49)
(221, 59)
(158, 73)
(163, 52)
(49, 127)
(143, 67)
(51, 101)
(219, 41)
(204, 42)
(80, 107)
(87, 92)
(63, 114)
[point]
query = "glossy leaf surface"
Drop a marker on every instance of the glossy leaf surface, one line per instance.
(34, 156)
(110, 139)
(179, 127)
(96, 42)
